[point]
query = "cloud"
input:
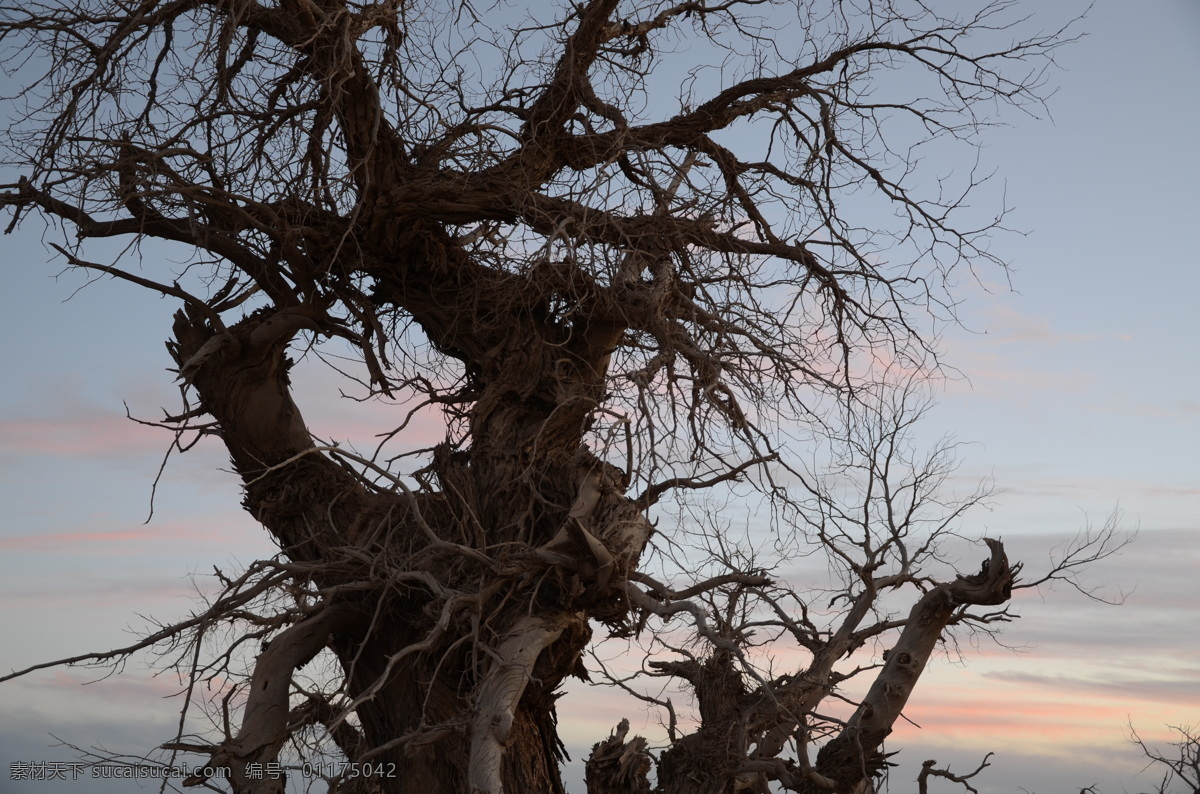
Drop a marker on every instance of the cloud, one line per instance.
(86, 594)
(1018, 357)
(64, 420)
(1034, 711)
(329, 413)
(1006, 325)
(209, 529)
(125, 719)
(102, 690)
(92, 542)
(1176, 689)
(97, 433)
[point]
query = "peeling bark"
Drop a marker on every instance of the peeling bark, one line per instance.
(498, 697)
(264, 726)
(853, 756)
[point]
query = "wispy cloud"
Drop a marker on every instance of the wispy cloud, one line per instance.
(1174, 689)
(98, 687)
(98, 433)
(996, 322)
(331, 414)
(92, 542)
(1006, 325)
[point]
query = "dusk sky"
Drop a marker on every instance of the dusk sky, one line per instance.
(1079, 396)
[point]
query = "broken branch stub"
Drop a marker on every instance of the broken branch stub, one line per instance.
(853, 753)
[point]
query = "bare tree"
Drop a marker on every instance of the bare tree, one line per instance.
(885, 519)
(612, 293)
(1180, 770)
(928, 770)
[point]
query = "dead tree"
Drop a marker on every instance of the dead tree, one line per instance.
(885, 519)
(1180, 770)
(1179, 767)
(612, 294)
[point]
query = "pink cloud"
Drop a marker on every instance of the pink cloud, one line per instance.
(366, 427)
(66, 421)
(321, 392)
(96, 434)
(57, 541)
(162, 596)
(986, 366)
(210, 531)
(1121, 688)
(87, 683)
(1031, 717)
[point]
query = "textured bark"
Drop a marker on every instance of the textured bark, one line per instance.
(265, 719)
(616, 766)
(853, 756)
(314, 507)
(706, 761)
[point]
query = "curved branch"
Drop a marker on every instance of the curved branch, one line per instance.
(853, 754)
(265, 719)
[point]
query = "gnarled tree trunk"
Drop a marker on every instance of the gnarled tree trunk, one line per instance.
(458, 618)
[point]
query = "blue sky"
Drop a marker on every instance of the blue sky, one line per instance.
(1079, 394)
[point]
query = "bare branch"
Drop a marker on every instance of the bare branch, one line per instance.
(928, 770)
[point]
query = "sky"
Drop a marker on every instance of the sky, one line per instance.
(1079, 396)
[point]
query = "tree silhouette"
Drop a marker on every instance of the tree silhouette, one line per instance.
(626, 251)
(1181, 767)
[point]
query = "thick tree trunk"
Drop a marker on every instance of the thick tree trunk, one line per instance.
(474, 608)
(706, 761)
